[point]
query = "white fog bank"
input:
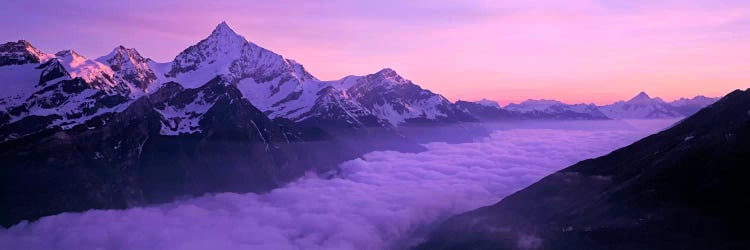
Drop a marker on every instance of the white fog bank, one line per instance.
(378, 201)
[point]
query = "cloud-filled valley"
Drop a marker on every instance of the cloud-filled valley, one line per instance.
(381, 200)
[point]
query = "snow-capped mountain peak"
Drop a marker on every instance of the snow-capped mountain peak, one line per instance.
(541, 102)
(642, 95)
(223, 30)
(130, 67)
(533, 104)
(21, 52)
(643, 98)
(388, 75)
(225, 39)
(122, 51)
(96, 74)
(225, 53)
(397, 100)
(699, 100)
(279, 87)
(557, 109)
(68, 53)
(488, 103)
(639, 107)
(71, 58)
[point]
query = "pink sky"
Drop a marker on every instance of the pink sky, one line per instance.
(575, 50)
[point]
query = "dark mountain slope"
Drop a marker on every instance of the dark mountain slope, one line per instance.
(683, 188)
(133, 157)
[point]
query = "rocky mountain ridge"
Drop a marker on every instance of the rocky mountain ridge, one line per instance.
(123, 130)
(642, 106)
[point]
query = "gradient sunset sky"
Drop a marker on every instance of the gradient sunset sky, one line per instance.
(574, 50)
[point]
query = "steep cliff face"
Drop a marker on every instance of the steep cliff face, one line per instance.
(682, 188)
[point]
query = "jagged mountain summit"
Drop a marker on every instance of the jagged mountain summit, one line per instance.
(558, 109)
(642, 106)
(487, 113)
(390, 97)
(695, 101)
(123, 130)
(130, 67)
(282, 88)
(487, 110)
(279, 87)
(488, 103)
(682, 188)
(273, 83)
(689, 106)
(61, 89)
(21, 52)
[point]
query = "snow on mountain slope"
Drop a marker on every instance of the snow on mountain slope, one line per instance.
(334, 107)
(72, 102)
(397, 100)
(642, 106)
(185, 118)
(65, 103)
(19, 71)
(689, 106)
(489, 113)
(229, 55)
(697, 101)
(182, 110)
(282, 88)
(278, 86)
(130, 67)
(532, 104)
(488, 103)
(45, 90)
(557, 109)
(96, 74)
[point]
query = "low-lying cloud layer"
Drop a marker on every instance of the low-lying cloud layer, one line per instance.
(380, 201)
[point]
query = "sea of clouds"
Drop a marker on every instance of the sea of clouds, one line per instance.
(382, 200)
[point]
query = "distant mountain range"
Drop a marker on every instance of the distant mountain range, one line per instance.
(225, 115)
(641, 106)
(682, 188)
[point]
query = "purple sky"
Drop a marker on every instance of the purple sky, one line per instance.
(574, 50)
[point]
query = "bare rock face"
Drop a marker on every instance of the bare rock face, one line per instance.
(682, 188)
(20, 52)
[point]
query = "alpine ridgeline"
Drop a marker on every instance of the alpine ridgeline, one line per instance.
(642, 106)
(226, 115)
